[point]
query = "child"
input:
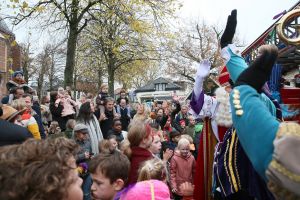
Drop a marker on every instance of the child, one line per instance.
(182, 167)
(46, 167)
(155, 146)
(125, 147)
(68, 103)
(113, 143)
(84, 154)
(116, 130)
(104, 147)
(109, 173)
(69, 128)
(174, 138)
(17, 81)
(103, 94)
(81, 138)
(140, 138)
(54, 130)
(190, 129)
(190, 139)
(25, 119)
(153, 169)
(150, 189)
(182, 126)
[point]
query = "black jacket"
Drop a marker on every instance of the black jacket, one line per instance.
(12, 134)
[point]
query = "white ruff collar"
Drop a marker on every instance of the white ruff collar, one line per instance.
(223, 114)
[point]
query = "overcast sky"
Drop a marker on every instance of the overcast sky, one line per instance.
(254, 16)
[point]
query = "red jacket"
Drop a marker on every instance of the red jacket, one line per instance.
(138, 156)
(182, 169)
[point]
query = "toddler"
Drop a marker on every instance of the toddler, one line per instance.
(102, 95)
(67, 102)
(182, 167)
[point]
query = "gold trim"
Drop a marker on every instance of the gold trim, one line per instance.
(235, 162)
(225, 165)
(288, 129)
(230, 162)
(281, 169)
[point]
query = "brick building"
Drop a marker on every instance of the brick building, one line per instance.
(10, 53)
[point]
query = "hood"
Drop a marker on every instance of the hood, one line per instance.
(177, 154)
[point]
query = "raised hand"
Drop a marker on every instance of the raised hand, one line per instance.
(260, 69)
(203, 69)
(229, 31)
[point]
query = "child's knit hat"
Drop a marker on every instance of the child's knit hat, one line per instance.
(147, 190)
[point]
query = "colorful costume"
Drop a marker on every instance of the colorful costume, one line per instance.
(230, 159)
(269, 147)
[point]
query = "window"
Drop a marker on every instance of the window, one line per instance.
(160, 87)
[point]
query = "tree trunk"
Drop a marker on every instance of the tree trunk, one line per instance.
(111, 77)
(41, 78)
(99, 78)
(71, 50)
(51, 73)
(25, 70)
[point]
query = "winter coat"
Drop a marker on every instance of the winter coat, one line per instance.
(36, 113)
(138, 156)
(106, 124)
(85, 146)
(125, 116)
(68, 105)
(182, 169)
(12, 133)
(57, 115)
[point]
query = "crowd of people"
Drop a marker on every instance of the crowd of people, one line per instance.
(207, 149)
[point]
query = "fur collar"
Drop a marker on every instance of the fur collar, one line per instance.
(223, 114)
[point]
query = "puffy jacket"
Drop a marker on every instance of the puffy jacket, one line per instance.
(182, 169)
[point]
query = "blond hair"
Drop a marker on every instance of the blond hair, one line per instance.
(188, 137)
(152, 169)
(18, 104)
(183, 142)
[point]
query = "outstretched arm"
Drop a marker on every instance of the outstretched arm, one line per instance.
(198, 94)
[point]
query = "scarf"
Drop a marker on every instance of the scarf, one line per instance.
(95, 134)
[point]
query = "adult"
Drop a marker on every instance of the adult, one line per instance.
(106, 119)
(123, 96)
(34, 110)
(278, 161)
(45, 111)
(15, 93)
(56, 111)
(142, 112)
(217, 123)
(86, 116)
(10, 132)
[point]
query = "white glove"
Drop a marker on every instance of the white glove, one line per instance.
(203, 69)
(202, 72)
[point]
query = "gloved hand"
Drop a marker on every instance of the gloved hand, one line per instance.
(260, 69)
(229, 32)
(203, 69)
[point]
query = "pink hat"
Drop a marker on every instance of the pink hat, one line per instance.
(148, 190)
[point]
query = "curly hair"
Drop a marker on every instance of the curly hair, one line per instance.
(37, 169)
